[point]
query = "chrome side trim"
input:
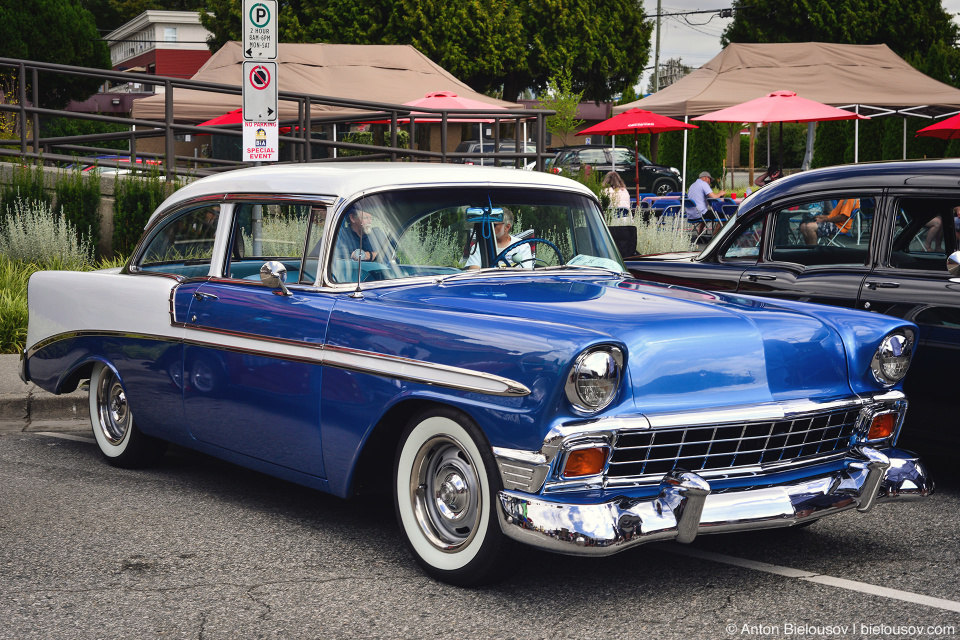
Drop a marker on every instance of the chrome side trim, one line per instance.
(423, 372)
(686, 506)
(379, 364)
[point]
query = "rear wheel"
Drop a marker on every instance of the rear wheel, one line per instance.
(119, 439)
(445, 492)
(663, 186)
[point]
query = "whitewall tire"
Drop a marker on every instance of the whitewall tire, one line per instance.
(121, 442)
(445, 492)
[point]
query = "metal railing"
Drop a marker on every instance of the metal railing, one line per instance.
(79, 148)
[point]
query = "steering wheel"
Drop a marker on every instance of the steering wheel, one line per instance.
(502, 256)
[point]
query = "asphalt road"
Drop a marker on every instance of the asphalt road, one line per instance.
(197, 548)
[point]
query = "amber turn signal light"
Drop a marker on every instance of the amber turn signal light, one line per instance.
(585, 462)
(882, 426)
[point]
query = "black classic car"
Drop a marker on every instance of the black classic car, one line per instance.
(653, 178)
(896, 253)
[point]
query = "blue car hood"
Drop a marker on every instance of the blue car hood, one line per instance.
(685, 348)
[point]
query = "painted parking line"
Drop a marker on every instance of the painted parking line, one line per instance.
(818, 578)
(66, 436)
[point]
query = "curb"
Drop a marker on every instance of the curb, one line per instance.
(36, 404)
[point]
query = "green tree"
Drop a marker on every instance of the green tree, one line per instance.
(495, 46)
(222, 19)
(59, 31)
(564, 101)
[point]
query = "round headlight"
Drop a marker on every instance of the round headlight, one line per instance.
(892, 359)
(594, 379)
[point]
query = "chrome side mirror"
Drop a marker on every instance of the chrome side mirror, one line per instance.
(953, 263)
(274, 275)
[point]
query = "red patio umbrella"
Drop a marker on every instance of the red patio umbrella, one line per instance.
(780, 106)
(948, 129)
(636, 121)
(232, 117)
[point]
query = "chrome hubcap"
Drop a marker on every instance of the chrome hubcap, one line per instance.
(445, 491)
(112, 409)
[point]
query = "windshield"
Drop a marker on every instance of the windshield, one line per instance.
(423, 232)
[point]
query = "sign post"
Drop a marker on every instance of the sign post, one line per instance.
(260, 128)
(260, 29)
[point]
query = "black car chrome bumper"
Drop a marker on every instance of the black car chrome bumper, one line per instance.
(685, 506)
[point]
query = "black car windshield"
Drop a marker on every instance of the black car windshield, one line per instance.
(420, 232)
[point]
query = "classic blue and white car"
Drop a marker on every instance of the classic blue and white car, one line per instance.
(468, 339)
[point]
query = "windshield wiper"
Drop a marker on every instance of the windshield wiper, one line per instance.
(517, 270)
(588, 267)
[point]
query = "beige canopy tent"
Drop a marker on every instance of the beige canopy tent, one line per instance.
(391, 74)
(868, 79)
(841, 75)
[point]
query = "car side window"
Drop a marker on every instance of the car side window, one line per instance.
(592, 156)
(746, 246)
(263, 232)
(925, 233)
(183, 245)
(824, 232)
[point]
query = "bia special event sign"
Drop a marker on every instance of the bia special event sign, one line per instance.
(261, 142)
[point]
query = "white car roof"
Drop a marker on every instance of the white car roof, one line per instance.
(349, 179)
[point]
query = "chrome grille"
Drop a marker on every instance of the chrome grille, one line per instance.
(726, 446)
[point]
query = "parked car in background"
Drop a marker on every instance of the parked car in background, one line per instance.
(505, 146)
(897, 255)
(123, 165)
(653, 178)
(323, 323)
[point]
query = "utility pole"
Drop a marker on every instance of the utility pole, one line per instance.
(656, 55)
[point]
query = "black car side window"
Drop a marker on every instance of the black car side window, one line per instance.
(746, 246)
(925, 233)
(824, 232)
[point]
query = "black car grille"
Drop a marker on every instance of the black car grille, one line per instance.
(729, 446)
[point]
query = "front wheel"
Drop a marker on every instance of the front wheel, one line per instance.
(119, 439)
(445, 492)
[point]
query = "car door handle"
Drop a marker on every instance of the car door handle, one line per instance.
(199, 295)
(874, 285)
(753, 277)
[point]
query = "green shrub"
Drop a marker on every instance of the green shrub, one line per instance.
(591, 179)
(13, 303)
(32, 233)
(26, 183)
(135, 198)
(367, 137)
(654, 237)
(78, 198)
(63, 127)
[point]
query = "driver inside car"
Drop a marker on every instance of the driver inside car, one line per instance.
(360, 239)
(519, 256)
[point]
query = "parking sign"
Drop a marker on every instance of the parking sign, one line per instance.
(260, 29)
(259, 91)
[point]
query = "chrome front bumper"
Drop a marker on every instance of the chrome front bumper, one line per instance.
(686, 506)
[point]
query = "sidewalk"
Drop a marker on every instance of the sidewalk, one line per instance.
(27, 407)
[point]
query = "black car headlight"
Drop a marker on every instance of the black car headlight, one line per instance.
(595, 378)
(892, 359)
